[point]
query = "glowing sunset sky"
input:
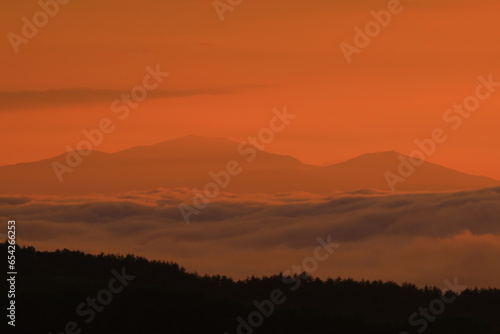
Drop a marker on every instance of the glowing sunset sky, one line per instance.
(226, 77)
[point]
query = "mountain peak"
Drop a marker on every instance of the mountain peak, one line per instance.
(375, 159)
(383, 154)
(200, 139)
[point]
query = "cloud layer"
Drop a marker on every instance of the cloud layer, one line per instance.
(14, 100)
(423, 238)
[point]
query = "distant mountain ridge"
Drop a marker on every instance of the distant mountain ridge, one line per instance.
(187, 162)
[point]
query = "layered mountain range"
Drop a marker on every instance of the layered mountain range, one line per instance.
(189, 162)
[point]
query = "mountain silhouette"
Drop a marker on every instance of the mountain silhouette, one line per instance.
(188, 161)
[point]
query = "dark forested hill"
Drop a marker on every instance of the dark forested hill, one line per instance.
(72, 292)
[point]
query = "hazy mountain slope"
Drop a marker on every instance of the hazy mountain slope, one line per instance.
(188, 161)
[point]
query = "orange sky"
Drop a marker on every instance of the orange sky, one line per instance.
(225, 77)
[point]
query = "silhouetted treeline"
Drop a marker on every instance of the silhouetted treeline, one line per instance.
(163, 298)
